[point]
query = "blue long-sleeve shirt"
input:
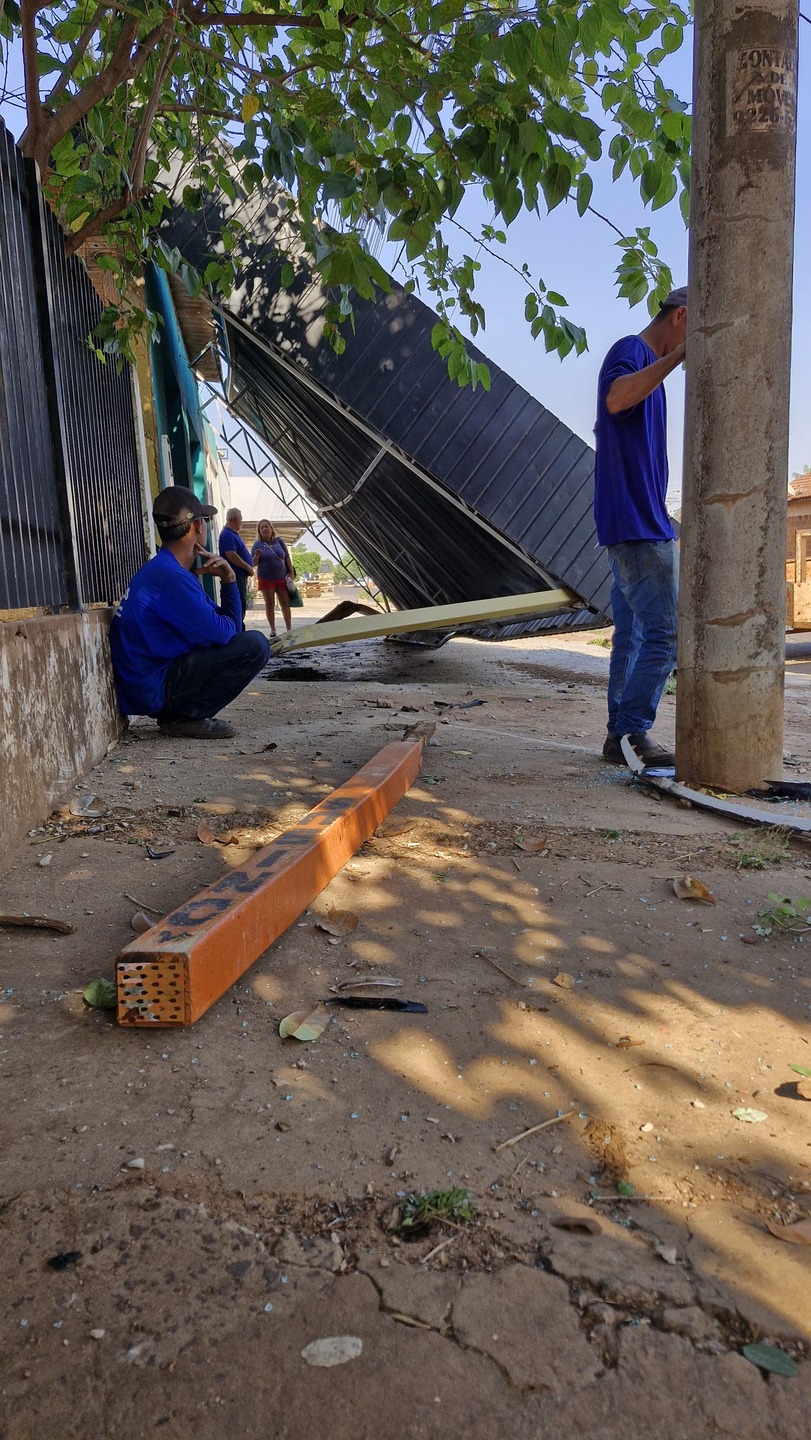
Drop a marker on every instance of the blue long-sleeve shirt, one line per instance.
(164, 614)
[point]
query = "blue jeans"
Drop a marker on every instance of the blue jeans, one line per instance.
(202, 682)
(644, 602)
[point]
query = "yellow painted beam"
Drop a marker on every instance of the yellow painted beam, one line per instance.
(431, 617)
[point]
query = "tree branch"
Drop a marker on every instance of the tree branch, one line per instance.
(124, 64)
(78, 54)
(216, 19)
(28, 16)
(139, 148)
(103, 217)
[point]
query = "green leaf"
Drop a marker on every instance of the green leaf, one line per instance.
(556, 183)
(624, 1187)
(401, 129)
(101, 994)
(768, 1357)
(585, 187)
(801, 1070)
(288, 275)
(651, 179)
(672, 37)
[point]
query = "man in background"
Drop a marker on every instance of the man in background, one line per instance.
(232, 547)
(176, 655)
(630, 485)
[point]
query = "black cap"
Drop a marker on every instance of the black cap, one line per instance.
(176, 505)
(675, 299)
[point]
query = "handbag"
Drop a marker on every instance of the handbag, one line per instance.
(294, 596)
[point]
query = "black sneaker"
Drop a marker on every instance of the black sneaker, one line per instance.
(612, 751)
(650, 752)
(198, 729)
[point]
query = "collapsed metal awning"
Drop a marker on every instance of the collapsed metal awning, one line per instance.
(444, 495)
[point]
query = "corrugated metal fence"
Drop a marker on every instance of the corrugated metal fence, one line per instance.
(71, 528)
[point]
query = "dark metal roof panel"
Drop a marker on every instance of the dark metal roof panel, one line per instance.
(501, 453)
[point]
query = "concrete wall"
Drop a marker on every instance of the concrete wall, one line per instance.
(58, 712)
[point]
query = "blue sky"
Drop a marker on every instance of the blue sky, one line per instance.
(578, 257)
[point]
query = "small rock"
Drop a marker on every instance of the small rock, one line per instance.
(97, 1334)
(698, 1104)
(137, 1164)
(667, 1253)
(646, 1128)
(332, 1350)
(45, 859)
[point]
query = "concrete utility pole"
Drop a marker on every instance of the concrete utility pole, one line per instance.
(729, 705)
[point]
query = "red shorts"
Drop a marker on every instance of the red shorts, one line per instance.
(273, 585)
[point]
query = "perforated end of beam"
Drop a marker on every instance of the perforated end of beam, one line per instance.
(174, 972)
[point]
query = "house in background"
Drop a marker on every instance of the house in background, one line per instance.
(798, 553)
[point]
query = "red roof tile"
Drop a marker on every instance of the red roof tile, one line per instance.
(800, 487)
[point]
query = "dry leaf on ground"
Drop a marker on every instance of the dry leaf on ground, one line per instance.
(531, 845)
(141, 922)
(337, 922)
(205, 833)
(691, 888)
(304, 1024)
(797, 1234)
(564, 981)
(394, 826)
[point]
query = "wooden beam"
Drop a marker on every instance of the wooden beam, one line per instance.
(172, 973)
(431, 617)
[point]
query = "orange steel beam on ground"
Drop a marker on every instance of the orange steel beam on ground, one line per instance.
(172, 973)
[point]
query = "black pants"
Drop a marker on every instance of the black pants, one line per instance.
(204, 681)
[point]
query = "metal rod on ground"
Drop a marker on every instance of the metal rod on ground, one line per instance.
(729, 702)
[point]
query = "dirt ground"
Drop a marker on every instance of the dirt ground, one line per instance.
(523, 892)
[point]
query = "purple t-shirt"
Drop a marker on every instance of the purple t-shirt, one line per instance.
(630, 470)
(271, 558)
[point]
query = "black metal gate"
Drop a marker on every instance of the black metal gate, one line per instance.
(71, 526)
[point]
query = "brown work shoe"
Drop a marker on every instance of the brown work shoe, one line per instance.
(651, 753)
(612, 750)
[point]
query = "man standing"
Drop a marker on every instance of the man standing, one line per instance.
(630, 484)
(232, 547)
(176, 655)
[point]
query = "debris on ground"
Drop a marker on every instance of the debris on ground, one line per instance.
(689, 887)
(304, 1024)
(337, 923)
(37, 922)
(332, 1350)
(100, 994)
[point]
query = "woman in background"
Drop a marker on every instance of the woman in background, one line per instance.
(271, 557)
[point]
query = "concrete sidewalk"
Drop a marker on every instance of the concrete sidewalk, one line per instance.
(524, 894)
